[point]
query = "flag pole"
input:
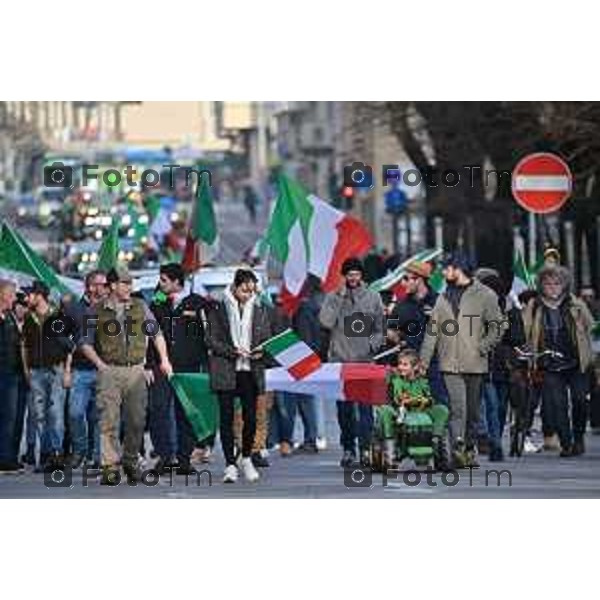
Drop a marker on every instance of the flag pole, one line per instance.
(393, 350)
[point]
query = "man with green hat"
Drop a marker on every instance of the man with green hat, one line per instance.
(116, 343)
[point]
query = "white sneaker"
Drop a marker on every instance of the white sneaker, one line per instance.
(248, 470)
(231, 474)
(530, 447)
(321, 443)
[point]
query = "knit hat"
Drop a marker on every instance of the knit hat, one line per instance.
(352, 264)
(460, 261)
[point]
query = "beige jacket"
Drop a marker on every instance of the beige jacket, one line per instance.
(581, 321)
(464, 349)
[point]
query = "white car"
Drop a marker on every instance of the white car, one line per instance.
(208, 281)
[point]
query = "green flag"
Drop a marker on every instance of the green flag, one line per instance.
(204, 226)
(108, 257)
(198, 401)
(16, 255)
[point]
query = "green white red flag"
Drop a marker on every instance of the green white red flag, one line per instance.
(353, 382)
(311, 237)
(293, 354)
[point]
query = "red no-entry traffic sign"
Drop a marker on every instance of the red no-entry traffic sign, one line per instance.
(541, 182)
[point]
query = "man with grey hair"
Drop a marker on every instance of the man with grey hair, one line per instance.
(559, 322)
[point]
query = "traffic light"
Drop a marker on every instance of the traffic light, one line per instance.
(347, 195)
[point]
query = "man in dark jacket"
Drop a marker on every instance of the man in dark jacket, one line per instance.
(237, 327)
(47, 365)
(181, 318)
(9, 363)
(83, 416)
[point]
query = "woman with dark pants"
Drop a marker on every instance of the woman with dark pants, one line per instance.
(237, 326)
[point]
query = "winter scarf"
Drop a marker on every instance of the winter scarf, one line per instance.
(240, 326)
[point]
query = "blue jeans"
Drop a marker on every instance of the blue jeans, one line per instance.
(355, 421)
(9, 388)
(83, 418)
(30, 425)
(320, 410)
(48, 398)
(436, 383)
(493, 413)
(289, 403)
(163, 426)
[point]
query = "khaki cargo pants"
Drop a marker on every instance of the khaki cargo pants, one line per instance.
(121, 396)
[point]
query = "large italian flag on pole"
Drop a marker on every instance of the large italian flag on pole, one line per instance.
(311, 237)
(293, 354)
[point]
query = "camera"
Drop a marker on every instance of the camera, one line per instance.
(358, 175)
(55, 477)
(358, 325)
(358, 477)
(58, 176)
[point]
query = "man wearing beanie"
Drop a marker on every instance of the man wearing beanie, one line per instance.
(354, 317)
(466, 323)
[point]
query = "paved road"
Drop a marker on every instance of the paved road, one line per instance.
(237, 234)
(319, 476)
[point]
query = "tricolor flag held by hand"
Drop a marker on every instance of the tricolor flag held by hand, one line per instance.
(293, 354)
(353, 382)
(309, 236)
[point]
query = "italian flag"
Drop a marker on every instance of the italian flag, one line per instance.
(353, 382)
(311, 237)
(293, 354)
(522, 278)
(202, 231)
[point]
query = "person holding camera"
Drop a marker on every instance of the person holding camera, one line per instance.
(354, 317)
(47, 360)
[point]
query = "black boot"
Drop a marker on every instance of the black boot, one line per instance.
(578, 447)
